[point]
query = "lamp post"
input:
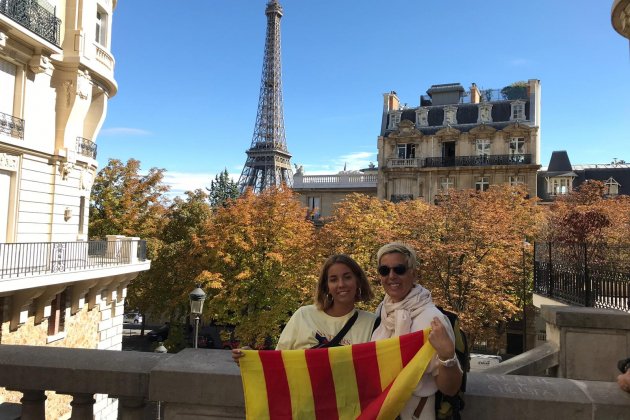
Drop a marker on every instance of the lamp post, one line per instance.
(197, 297)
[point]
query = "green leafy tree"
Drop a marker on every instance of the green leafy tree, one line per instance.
(222, 190)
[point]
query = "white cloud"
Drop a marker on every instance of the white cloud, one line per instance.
(124, 131)
(180, 182)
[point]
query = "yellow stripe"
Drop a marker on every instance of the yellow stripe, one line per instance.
(407, 381)
(348, 403)
(302, 403)
(254, 387)
(389, 360)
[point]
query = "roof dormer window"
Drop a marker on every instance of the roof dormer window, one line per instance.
(612, 187)
(518, 111)
(394, 119)
(450, 115)
(485, 112)
(422, 117)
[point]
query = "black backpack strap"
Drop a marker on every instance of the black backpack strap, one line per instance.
(377, 321)
(337, 339)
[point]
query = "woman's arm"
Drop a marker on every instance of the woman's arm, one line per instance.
(449, 379)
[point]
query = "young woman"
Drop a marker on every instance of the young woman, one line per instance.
(341, 284)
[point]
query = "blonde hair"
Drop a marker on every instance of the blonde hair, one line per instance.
(400, 248)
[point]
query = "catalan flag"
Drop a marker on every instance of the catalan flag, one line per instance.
(363, 381)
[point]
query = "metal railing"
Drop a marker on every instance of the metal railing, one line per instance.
(21, 259)
(86, 147)
(11, 125)
(34, 17)
(583, 274)
(482, 160)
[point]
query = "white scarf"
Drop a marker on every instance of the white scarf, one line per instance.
(397, 317)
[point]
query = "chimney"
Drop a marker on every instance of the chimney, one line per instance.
(390, 103)
(475, 95)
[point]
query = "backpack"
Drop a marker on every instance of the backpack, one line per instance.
(447, 407)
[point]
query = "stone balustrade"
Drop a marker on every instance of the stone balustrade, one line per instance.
(342, 180)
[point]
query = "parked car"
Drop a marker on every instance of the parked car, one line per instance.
(132, 318)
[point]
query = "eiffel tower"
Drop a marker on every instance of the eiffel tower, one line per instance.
(268, 160)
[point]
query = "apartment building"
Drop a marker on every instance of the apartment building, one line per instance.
(459, 139)
(56, 287)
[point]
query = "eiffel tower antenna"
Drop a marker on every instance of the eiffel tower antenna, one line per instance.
(268, 160)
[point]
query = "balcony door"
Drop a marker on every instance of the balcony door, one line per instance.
(448, 153)
(7, 86)
(5, 190)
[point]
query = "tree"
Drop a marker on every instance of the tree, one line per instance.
(258, 254)
(123, 202)
(222, 190)
(517, 90)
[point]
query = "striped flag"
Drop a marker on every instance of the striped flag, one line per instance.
(365, 381)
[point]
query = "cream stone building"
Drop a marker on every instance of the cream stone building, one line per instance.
(458, 139)
(56, 287)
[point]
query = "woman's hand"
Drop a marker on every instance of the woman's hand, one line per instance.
(237, 354)
(440, 340)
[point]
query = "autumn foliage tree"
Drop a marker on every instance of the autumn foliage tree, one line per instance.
(259, 265)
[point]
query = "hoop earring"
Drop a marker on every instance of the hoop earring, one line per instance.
(329, 298)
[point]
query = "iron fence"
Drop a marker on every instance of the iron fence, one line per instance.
(86, 147)
(481, 160)
(11, 125)
(594, 275)
(21, 259)
(34, 17)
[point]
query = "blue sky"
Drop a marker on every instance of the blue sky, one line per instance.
(189, 76)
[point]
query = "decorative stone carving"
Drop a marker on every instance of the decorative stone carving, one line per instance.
(422, 117)
(69, 87)
(84, 84)
(407, 129)
(87, 179)
(39, 63)
(8, 162)
(64, 169)
(3, 40)
(485, 112)
(450, 115)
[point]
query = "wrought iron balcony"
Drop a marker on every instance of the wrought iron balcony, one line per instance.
(20, 259)
(34, 17)
(11, 125)
(483, 160)
(86, 147)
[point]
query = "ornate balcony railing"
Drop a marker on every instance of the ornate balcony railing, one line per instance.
(34, 17)
(344, 180)
(482, 160)
(86, 147)
(11, 125)
(37, 258)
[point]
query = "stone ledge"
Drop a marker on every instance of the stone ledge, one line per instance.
(575, 316)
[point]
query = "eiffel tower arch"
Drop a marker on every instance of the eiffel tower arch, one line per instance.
(268, 160)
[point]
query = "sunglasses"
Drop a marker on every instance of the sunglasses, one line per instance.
(384, 270)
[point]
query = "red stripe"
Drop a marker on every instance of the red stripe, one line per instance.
(409, 346)
(372, 410)
(367, 373)
(322, 384)
(278, 395)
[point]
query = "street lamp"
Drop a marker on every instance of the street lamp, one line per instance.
(197, 297)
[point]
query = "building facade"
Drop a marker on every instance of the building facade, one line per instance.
(561, 177)
(56, 287)
(458, 139)
(320, 193)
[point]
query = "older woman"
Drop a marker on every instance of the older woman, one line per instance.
(341, 284)
(407, 307)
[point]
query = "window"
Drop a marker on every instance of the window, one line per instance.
(8, 73)
(447, 183)
(518, 110)
(101, 28)
(314, 207)
(517, 180)
(612, 186)
(396, 198)
(559, 185)
(5, 191)
(56, 321)
(394, 119)
(517, 146)
(482, 147)
(450, 115)
(482, 183)
(82, 216)
(406, 151)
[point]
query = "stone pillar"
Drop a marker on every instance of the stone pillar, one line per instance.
(131, 408)
(113, 246)
(591, 340)
(82, 407)
(33, 405)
